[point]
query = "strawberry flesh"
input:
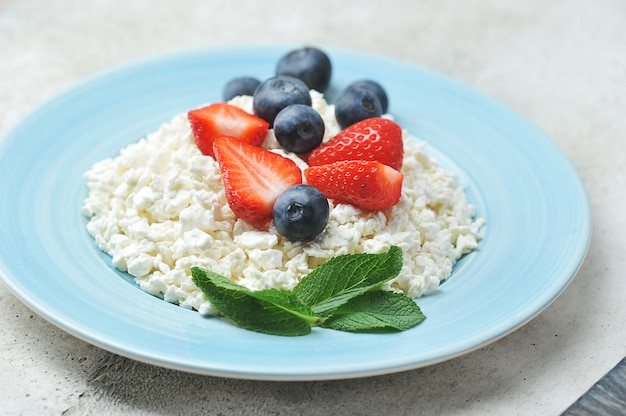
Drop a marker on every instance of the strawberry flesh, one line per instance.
(375, 138)
(253, 178)
(367, 184)
(223, 119)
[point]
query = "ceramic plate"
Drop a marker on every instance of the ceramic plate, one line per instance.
(537, 212)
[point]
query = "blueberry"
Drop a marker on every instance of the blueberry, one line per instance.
(239, 86)
(356, 104)
(299, 128)
(301, 213)
(311, 65)
(376, 88)
(276, 93)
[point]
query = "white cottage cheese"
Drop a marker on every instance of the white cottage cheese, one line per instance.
(159, 208)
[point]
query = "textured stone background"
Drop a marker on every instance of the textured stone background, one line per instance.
(561, 64)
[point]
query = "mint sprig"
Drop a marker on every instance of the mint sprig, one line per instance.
(345, 294)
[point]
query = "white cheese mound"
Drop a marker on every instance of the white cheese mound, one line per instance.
(159, 208)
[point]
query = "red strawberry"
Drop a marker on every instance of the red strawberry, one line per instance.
(253, 178)
(371, 139)
(223, 119)
(367, 184)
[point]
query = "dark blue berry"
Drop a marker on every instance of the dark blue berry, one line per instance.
(299, 128)
(376, 88)
(239, 86)
(356, 104)
(278, 92)
(311, 65)
(301, 213)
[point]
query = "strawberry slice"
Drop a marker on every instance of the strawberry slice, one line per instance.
(253, 178)
(367, 184)
(223, 119)
(375, 138)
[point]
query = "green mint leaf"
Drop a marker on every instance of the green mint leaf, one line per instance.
(344, 277)
(376, 311)
(272, 311)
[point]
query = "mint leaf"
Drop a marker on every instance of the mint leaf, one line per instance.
(376, 311)
(344, 277)
(270, 311)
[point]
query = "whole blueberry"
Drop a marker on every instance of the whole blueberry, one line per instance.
(356, 104)
(376, 88)
(276, 93)
(309, 64)
(301, 213)
(299, 128)
(239, 86)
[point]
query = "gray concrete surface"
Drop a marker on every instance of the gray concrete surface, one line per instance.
(561, 64)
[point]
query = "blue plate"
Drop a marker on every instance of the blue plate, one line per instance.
(537, 233)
